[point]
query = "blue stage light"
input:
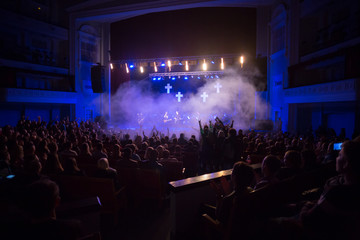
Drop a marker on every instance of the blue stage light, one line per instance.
(212, 62)
(173, 78)
(131, 66)
(216, 76)
(212, 76)
(180, 63)
(198, 77)
(163, 64)
(186, 78)
(154, 78)
(159, 78)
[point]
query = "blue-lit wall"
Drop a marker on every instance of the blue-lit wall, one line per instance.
(342, 120)
(11, 112)
(278, 78)
(323, 116)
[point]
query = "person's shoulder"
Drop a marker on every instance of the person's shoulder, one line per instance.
(80, 173)
(55, 229)
(342, 200)
(335, 181)
(136, 157)
(70, 229)
(144, 164)
(127, 163)
(73, 152)
(173, 160)
(134, 163)
(345, 193)
(262, 183)
(70, 224)
(112, 171)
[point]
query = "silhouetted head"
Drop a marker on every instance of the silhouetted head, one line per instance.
(271, 165)
(103, 163)
(206, 128)
(166, 153)
(153, 155)
(42, 198)
(348, 161)
(242, 176)
(127, 153)
(232, 132)
(292, 159)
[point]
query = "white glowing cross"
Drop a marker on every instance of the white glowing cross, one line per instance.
(168, 87)
(204, 96)
(179, 96)
(218, 86)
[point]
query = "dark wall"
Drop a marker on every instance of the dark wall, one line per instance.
(190, 32)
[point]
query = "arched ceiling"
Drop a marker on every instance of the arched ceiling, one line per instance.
(112, 11)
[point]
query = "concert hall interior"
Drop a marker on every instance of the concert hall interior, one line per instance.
(194, 90)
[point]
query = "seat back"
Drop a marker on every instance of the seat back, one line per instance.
(80, 187)
(173, 170)
(88, 168)
(149, 184)
(127, 176)
(190, 161)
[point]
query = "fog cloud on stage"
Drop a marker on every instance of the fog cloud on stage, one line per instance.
(135, 104)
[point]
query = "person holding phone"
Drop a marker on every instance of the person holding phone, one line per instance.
(332, 152)
(336, 214)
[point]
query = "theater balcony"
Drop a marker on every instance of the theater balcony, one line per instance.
(336, 66)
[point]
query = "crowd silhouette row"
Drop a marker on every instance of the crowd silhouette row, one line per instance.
(34, 151)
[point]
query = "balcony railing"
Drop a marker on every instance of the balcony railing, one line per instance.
(329, 68)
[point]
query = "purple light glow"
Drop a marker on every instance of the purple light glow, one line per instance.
(235, 101)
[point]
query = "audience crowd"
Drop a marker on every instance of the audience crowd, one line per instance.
(34, 150)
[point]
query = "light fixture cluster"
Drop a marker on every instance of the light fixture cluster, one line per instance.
(183, 77)
(174, 64)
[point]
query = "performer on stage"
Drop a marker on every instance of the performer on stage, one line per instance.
(140, 119)
(166, 117)
(177, 117)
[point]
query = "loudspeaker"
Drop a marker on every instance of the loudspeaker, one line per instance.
(98, 79)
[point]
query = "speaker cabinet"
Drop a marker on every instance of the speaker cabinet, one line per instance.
(98, 79)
